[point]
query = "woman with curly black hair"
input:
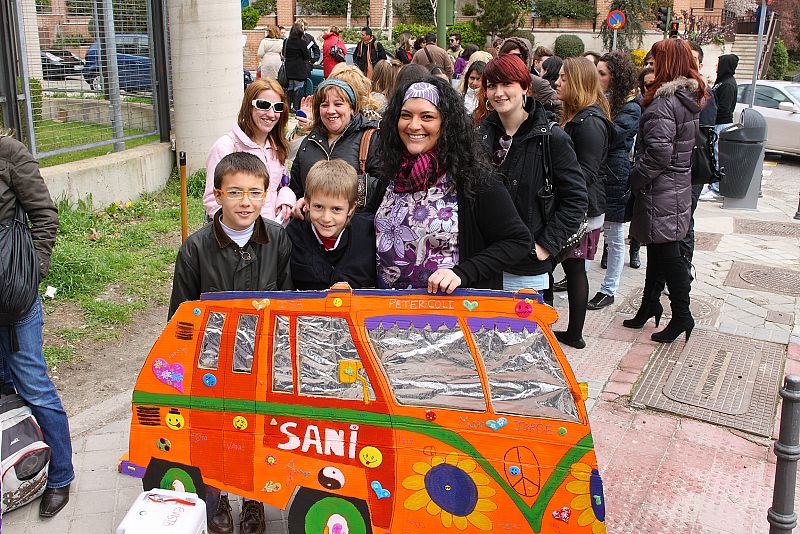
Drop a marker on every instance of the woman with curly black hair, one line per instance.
(443, 219)
(618, 82)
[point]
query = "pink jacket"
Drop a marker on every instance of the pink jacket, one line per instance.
(278, 192)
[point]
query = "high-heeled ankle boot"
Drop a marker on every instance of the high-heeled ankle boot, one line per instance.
(651, 306)
(679, 287)
(636, 262)
(604, 259)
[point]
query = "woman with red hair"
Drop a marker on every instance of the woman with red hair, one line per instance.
(516, 134)
(661, 182)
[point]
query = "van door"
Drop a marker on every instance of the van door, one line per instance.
(207, 392)
(240, 376)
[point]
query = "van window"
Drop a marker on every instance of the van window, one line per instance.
(282, 378)
(525, 377)
(427, 361)
(245, 344)
(209, 350)
(322, 342)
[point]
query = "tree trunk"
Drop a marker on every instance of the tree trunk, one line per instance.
(435, 19)
(383, 17)
(349, 14)
(390, 20)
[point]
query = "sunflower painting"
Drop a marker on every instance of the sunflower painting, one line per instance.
(453, 490)
(588, 500)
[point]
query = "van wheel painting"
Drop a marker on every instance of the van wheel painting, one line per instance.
(172, 476)
(452, 489)
(316, 512)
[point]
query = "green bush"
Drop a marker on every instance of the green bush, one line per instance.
(250, 16)
(415, 29)
(779, 62)
(568, 46)
(469, 10)
(565, 9)
(43, 6)
(420, 10)
(527, 34)
(334, 7)
(469, 33)
(71, 40)
(264, 7)
(36, 99)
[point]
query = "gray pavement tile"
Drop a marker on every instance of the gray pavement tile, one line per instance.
(114, 441)
(108, 459)
(727, 327)
(99, 479)
(96, 523)
(95, 502)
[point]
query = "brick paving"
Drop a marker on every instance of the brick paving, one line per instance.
(662, 473)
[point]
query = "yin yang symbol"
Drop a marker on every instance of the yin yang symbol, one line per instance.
(331, 478)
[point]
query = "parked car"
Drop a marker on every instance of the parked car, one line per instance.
(60, 64)
(133, 63)
(317, 74)
(779, 103)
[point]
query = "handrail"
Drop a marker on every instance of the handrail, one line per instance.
(769, 44)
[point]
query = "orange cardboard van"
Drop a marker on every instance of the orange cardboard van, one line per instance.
(371, 411)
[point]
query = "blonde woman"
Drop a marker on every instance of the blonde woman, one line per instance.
(383, 81)
(269, 51)
(586, 118)
(366, 104)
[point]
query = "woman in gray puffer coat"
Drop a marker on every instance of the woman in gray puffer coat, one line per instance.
(661, 182)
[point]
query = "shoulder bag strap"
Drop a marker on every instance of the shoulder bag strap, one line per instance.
(546, 157)
(430, 59)
(363, 150)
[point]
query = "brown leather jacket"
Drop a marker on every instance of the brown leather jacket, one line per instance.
(21, 182)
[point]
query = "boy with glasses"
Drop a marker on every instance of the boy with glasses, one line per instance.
(238, 251)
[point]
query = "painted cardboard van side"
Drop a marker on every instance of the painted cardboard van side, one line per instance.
(369, 411)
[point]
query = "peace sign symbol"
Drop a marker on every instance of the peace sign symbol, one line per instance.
(522, 471)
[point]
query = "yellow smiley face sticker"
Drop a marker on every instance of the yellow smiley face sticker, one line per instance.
(370, 457)
(174, 419)
(337, 302)
(239, 422)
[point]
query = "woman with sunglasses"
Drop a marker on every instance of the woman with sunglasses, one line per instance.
(338, 131)
(443, 219)
(586, 119)
(517, 134)
(258, 130)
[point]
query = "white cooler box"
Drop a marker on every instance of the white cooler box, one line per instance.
(164, 511)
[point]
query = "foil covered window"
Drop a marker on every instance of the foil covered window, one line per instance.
(209, 350)
(428, 362)
(245, 345)
(322, 342)
(282, 357)
(525, 377)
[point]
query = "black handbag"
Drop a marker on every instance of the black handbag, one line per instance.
(282, 78)
(19, 269)
(705, 164)
(548, 200)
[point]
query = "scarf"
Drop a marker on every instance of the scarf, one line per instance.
(417, 173)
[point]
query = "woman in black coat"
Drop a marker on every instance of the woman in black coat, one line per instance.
(661, 182)
(517, 135)
(618, 82)
(585, 119)
(338, 132)
(297, 58)
(443, 219)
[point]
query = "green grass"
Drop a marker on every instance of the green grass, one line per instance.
(51, 135)
(56, 355)
(127, 246)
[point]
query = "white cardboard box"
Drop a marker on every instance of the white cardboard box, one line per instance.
(165, 512)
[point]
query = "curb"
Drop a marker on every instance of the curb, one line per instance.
(108, 411)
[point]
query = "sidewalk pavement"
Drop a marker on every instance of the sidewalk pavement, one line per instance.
(661, 472)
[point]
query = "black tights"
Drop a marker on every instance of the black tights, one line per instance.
(578, 294)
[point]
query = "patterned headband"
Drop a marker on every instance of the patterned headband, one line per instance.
(423, 90)
(343, 86)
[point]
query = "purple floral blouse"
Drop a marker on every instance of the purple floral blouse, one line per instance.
(416, 233)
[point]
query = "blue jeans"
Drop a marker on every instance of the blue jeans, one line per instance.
(614, 237)
(514, 282)
(718, 128)
(28, 372)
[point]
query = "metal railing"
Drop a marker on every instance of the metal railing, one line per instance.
(87, 73)
(717, 16)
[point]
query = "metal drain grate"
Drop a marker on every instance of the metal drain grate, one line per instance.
(704, 310)
(720, 378)
(706, 241)
(779, 229)
(761, 278)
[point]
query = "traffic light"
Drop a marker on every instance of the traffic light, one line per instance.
(673, 29)
(664, 16)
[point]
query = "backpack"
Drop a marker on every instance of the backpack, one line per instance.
(705, 162)
(24, 456)
(336, 53)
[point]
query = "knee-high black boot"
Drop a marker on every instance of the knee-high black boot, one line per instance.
(651, 295)
(679, 285)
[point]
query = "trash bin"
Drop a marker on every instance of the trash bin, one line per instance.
(741, 149)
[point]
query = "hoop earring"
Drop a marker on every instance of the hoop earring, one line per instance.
(489, 107)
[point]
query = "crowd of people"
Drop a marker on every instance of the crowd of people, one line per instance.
(436, 170)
